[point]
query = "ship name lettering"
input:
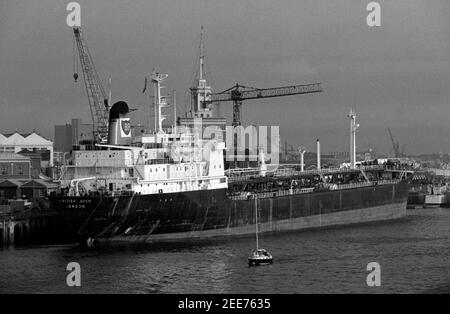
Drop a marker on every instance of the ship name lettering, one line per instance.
(75, 206)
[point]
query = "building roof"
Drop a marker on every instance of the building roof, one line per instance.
(29, 139)
(27, 183)
(12, 183)
(6, 156)
(38, 183)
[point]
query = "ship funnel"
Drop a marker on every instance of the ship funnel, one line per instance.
(119, 124)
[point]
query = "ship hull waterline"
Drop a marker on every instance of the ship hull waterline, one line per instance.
(358, 216)
(206, 215)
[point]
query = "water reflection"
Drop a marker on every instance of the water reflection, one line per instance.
(413, 254)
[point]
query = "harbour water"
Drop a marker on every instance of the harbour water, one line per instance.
(413, 253)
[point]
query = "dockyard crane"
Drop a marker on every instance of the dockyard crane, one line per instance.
(396, 145)
(239, 93)
(98, 101)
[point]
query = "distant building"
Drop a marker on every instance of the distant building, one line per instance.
(14, 166)
(19, 180)
(37, 189)
(69, 135)
(31, 142)
(25, 189)
(9, 189)
(340, 155)
(38, 161)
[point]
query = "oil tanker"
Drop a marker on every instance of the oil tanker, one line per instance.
(211, 212)
(172, 185)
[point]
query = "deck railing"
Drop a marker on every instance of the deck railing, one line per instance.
(332, 186)
(248, 195)
(249, 173)
(243, 197)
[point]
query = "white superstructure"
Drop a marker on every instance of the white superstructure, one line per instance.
(163, 162)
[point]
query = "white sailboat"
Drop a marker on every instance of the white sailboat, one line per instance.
(259, 256)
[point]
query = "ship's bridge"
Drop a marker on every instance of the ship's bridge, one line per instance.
(163, 163)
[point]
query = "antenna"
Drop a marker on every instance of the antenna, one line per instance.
(109, 95)
(175, 111)
(202, 54)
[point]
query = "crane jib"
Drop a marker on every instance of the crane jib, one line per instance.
(282, 91)
(98, 101)
(238, 93)
(241, 94)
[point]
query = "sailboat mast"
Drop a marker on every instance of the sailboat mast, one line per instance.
(256, 222)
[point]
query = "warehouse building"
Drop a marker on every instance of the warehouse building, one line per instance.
(31, 142)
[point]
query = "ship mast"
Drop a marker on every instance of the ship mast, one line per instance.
(201, 94)
(174, 99)
(202, 57)
(256, 222)
(159, 101)
(353, 128)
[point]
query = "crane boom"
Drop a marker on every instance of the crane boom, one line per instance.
(98, 101)
(395, 145)
(238, 93)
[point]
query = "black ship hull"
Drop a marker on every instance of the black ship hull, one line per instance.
(211, 213)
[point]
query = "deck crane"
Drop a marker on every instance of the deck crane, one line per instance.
(98, 102)
(238, 93)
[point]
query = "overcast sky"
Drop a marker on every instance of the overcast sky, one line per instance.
(397, 75)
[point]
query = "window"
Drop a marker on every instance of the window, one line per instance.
(20, 170)
(4, 170)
